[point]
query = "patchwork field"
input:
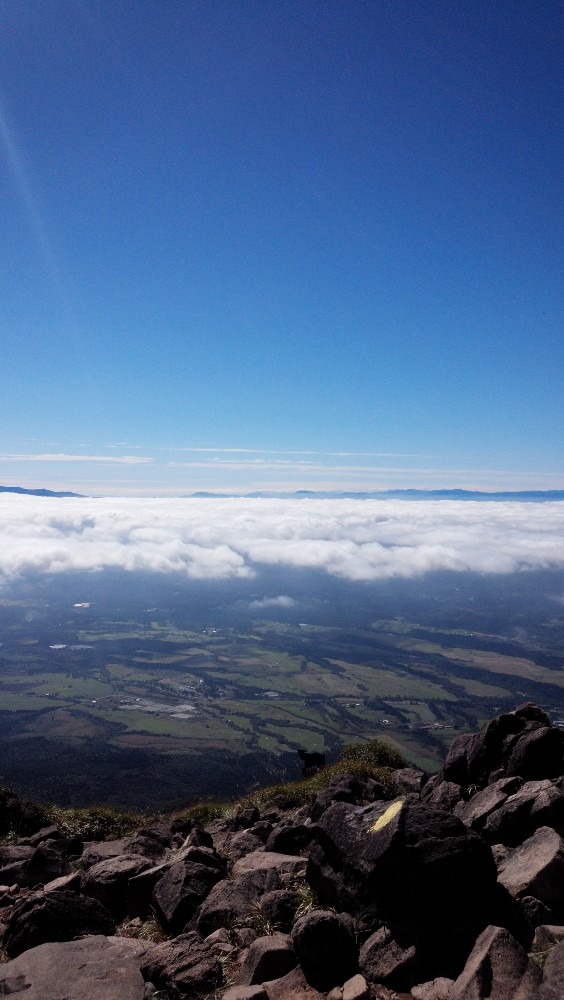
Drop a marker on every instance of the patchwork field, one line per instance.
(245, 697)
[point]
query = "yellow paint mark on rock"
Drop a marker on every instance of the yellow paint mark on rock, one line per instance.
(387, 816)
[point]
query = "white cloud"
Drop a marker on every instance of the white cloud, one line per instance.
(103, 459)
(223, 538)
(273, 602)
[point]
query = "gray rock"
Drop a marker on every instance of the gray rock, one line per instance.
(107, 881)
(546, 936)
(232, 901)
(287, 864)
(383, 960)
(69, 883)
(356, 988)
(405, 857)
(497, 967)
(538, 754)
(408, 779)
(93, 967)
(279, 908)
(179, 892)
(436, 989)
(475, 812)
(535, 804)
(293, 986)
(243, 842)
(535, 912)
(267, 958)
(184, 967)
(326, 948)
(441, 794)
(54, 916)
(552, 987)
(536, 868)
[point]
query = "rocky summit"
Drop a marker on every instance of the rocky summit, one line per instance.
(449, 888)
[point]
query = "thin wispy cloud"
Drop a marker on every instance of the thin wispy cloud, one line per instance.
(61, 457)
(230, 538)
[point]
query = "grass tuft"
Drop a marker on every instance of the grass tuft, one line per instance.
(95, 823)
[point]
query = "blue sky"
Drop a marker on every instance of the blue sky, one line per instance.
(280, 244)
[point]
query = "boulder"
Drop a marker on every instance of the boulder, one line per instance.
(326, 948)
(234, 900)
(535, 804)
(245, 993)
(406, 857)
(538, 754)
(535, 912)
(383, 959)
(179, 892)
(408, 779)
(267, 958)
(546, 936)
(536, 868)
(441, 794)
(343, 788)
(289, 839)
(552, 987)
(107, 881)
(47, 863)
(243, 842)
(356, 988)
(184, 967)
(292, 986)
(283, 864)
(497, 967)
(279, 908)
(93, 967)
(435, 989)
(54, 916)
(475, 812)
(144, 846)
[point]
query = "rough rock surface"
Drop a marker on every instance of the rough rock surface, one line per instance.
(54, 916)
(326, 948)
(93, 968)
(183, 967)
(497, 967)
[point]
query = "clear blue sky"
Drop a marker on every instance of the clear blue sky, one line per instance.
(321, 241)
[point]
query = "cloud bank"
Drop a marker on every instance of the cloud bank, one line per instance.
(234, 538)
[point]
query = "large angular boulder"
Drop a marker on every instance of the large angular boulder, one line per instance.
(552, 987)
(54, 916)
(521, 743)
(145, 845)
(497, 967)
(475, 812)
(233, 901)
(538, 753)
(326, 948)
(397, 964)
(534, 804)
(183, 967)
(536, 868)
(406, 857)
(268, 957)
(107, 881)
(179, 892)
(93, 967)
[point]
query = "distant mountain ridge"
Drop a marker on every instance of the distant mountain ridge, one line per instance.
(36, 493)
(532, 496)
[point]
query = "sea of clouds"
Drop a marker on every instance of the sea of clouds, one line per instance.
(229, 538)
